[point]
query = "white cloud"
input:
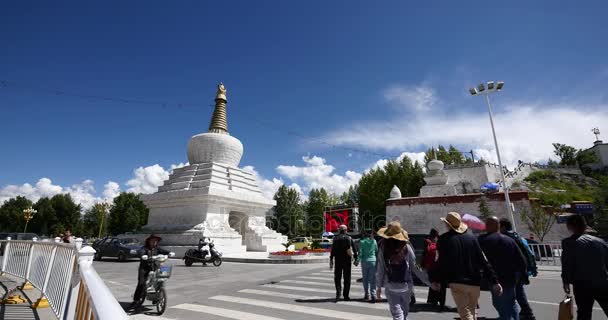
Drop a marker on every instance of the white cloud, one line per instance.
(111, 190)
(416, 98)
(525, 131)
(148, 179)
(316, 173)
(145, 180)
(83, 193)
(268, 187)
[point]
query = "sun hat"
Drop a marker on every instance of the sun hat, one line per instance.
(455, 223)
(394, 231)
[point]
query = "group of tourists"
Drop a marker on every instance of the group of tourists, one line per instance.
(499, 261)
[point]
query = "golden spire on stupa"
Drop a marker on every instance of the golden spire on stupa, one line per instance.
(219, 124)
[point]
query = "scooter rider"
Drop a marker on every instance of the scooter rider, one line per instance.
(201, 244)
(150, 249)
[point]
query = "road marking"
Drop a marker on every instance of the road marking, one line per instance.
(554, 304)
(298, 308)
(322, 278)
(352, 271)
(304, 298)
(221, 312)
(119, 284)
(279, 294)
(275, 286)
(323, 284)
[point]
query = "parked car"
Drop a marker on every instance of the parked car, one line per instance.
(301, 243)
(121, 248)
(325, 243)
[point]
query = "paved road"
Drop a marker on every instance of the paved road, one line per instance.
(294, 292)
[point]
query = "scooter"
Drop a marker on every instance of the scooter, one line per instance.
(155, 286)
(198, 255)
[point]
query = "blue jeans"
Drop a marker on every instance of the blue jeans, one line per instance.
(399, 303)
(505, 304)
(368, 268)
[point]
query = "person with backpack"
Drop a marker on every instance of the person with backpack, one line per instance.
(460, 265)
(509, 262)
(395, 264)
(506, 228)
(368, 251)
(342, 251)
(429, 261)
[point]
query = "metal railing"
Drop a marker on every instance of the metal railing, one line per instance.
(548, 253)
(64, 275)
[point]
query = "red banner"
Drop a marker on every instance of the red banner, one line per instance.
(334, 219)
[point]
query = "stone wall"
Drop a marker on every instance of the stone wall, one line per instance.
(469, 178)
(418, 215)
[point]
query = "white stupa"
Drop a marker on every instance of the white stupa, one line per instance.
(212, 197)
(436, 180)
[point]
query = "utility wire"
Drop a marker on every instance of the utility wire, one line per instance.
(265, 124)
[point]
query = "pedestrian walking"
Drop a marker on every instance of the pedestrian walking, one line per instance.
(460, 262)
(368, 251)
(509, 264)
(396, 262)
(341, 257)
(429, 262)
(585, 267)
(506, 228)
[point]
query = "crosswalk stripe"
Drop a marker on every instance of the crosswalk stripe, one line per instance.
(276, 286)
(312, 283)
(304, 298)
(298, 308)
(226, 313)
(280, 294)
(324, 279)
(331, 271)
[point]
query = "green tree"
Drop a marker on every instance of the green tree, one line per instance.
(45, 219)
(288, 211)
(538, 221)
(11, 214)
(484, 209)
(451, 155)
(67, 213)
(318, 199)
(94, 218)
(128, 214)
(600, 204)
(567, 154)
(376, 184)
(351, 196)
(456, 156)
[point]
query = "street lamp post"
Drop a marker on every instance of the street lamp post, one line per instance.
(492, 88)
(104, 210)
(28, 214)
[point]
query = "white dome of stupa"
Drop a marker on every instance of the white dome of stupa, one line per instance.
(217, 145)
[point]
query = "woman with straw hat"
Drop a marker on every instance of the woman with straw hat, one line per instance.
(396, 262)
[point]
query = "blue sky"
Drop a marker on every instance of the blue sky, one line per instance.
(304, 79)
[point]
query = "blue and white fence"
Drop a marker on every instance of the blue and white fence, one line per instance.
(64, 275)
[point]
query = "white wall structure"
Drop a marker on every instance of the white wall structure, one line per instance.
(419, 214)
(212, 197)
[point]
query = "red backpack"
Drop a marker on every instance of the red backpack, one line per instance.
(430, 254)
